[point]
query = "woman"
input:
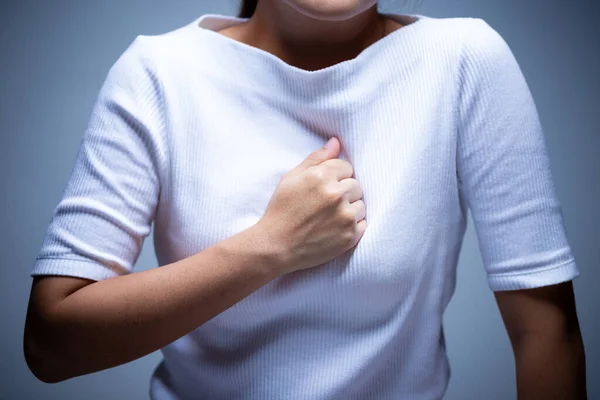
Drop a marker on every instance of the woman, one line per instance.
(271, 286)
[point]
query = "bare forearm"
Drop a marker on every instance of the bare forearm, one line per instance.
(114, 321)
(550, 367)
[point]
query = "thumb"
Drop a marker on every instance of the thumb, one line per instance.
(330, 150)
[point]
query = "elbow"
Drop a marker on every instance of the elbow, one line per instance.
(39, 360)
(48, 345)
(43, 376)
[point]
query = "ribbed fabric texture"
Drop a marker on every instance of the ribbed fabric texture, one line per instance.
(192, 131)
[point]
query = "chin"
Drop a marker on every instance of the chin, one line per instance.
(330, 10)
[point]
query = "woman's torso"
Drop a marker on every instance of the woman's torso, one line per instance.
(368, 320)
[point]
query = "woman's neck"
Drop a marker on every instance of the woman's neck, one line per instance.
(310, 43)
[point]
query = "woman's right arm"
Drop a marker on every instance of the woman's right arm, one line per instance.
(76, 326)
(90, 311)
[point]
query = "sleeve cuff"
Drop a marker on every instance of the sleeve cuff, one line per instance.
(533, 279)
(73, 267)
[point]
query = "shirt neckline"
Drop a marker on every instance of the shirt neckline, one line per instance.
(209, 24)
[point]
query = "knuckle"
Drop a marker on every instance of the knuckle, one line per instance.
(353, 191)
(358, 187)
(332, 194)
(328, 163)
(348, 217)
(347, 235)
(350, 167)
(317, 174)
(361, 205)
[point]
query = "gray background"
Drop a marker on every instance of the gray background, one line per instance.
(54, 56)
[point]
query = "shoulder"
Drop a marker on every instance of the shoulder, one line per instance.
(482, 48)
(460, 43)
(481, 42)
(466, 38)
(135, 76)
(469, 36)
(150, 52)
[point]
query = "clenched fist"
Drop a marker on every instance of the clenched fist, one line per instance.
(316, 212)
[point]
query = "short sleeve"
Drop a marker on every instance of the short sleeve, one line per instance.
(109, 203)
(504, 171)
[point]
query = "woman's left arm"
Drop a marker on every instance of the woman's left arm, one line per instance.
(544, 332)
(504, 176)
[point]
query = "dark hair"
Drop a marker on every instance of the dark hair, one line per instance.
(247, 8)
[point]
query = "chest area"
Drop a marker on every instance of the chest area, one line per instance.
(228, 156)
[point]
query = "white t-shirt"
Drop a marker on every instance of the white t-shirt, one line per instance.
(192, 131)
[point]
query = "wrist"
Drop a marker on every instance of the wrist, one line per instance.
(276, 258)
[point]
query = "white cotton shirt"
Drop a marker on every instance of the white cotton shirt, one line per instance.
(192, 131)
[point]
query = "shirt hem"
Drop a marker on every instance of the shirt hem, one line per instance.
(548, 276)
